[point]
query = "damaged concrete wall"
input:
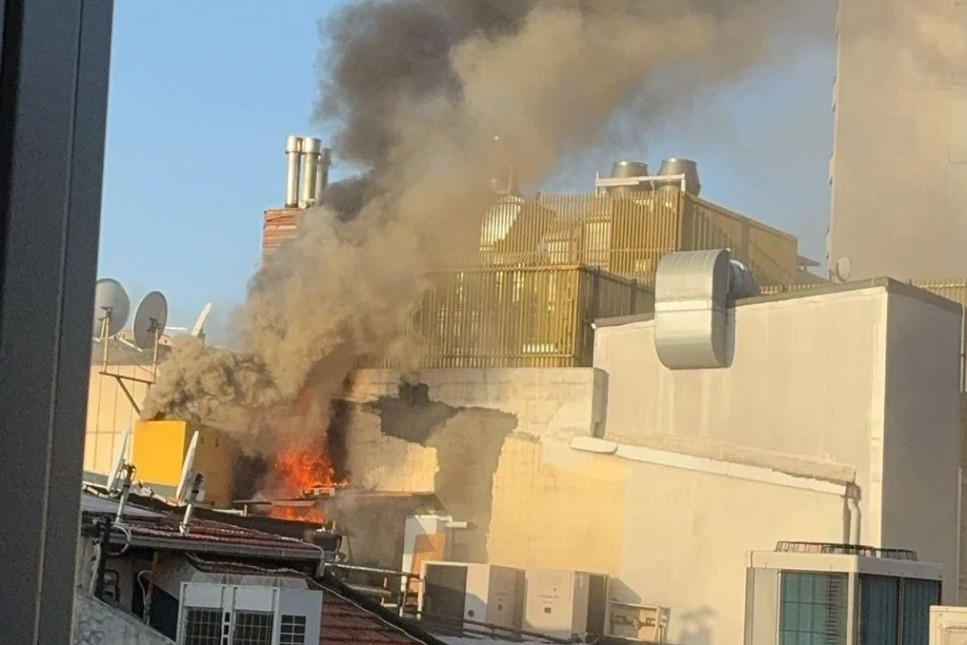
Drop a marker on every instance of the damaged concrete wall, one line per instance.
(96, 623)
(443, 431)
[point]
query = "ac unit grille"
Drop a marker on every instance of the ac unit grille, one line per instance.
(252, 628)
(203, 627)
(292, 630)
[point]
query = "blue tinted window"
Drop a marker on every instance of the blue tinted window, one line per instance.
(918, 596)
(879, 610)
(812, 608)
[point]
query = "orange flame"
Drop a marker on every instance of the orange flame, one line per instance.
(297, 474)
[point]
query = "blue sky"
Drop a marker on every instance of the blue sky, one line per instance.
(203, 95)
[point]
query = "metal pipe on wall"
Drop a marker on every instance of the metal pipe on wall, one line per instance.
(311, 151)
(293, 159)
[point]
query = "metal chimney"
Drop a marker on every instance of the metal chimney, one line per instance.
(293, 153)
(322, 175)
(311, 152)
(687, 167)
(627, 170)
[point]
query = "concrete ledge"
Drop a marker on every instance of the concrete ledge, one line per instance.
(709, 466)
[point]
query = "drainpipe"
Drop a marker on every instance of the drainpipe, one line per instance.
(855, 517)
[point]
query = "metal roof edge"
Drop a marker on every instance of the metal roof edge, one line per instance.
(199, 545)
(891, 285)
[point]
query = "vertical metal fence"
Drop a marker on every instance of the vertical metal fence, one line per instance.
(516, 317)
(628, 234)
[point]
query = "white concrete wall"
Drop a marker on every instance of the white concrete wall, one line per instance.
(864, 379)
(807, 381)
(670, 535)
(921, 449)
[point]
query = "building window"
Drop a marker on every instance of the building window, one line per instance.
(203, 627)
(918, 596)
(879, 610)
(293, 630)
(252, 628)
(813, 608)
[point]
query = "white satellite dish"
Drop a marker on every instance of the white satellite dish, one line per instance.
(198, 331)
(150, 320)
(119, 483)
(184, 483)
(117, 474)
(111, 308)
(191, 486)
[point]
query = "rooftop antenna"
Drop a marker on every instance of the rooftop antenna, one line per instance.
(191, 486)
(149, 324)
(111, 309)
(122, 475)
(198, 331)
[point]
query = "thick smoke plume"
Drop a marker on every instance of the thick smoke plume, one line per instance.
(421, 88)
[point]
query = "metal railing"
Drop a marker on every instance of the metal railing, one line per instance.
(515, 317)
(628, 234)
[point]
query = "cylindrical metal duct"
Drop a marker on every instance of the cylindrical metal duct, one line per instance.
(311, 151)
(322, 175)
(626, 169)
(293, 152)
(687, 167)
(742, 284)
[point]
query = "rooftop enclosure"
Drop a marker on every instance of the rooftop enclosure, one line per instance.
(627, 234)
(518, 317)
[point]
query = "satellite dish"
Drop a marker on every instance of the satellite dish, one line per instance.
(150, 319)
(111, 302)
(191, 486)
(199, 329)
(117, 473)
(844, 268)
(187, 476)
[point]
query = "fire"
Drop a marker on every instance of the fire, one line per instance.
(307, 471)
(298, 472)
(302, 474)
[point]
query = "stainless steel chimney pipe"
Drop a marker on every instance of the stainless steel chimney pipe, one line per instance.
(311, 151)
(322, 177)
(293, 154)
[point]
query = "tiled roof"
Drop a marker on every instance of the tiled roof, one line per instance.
(210, 537)
(348, 617)
(344, 622)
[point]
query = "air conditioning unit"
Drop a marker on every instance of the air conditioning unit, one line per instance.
(247, 614)
(564, 603)
(480, 593)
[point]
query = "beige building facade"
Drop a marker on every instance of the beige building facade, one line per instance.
(898, 173)
(839, 419)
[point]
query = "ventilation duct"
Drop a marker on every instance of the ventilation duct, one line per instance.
(311, 152)
(694, 327)
(293, 154)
